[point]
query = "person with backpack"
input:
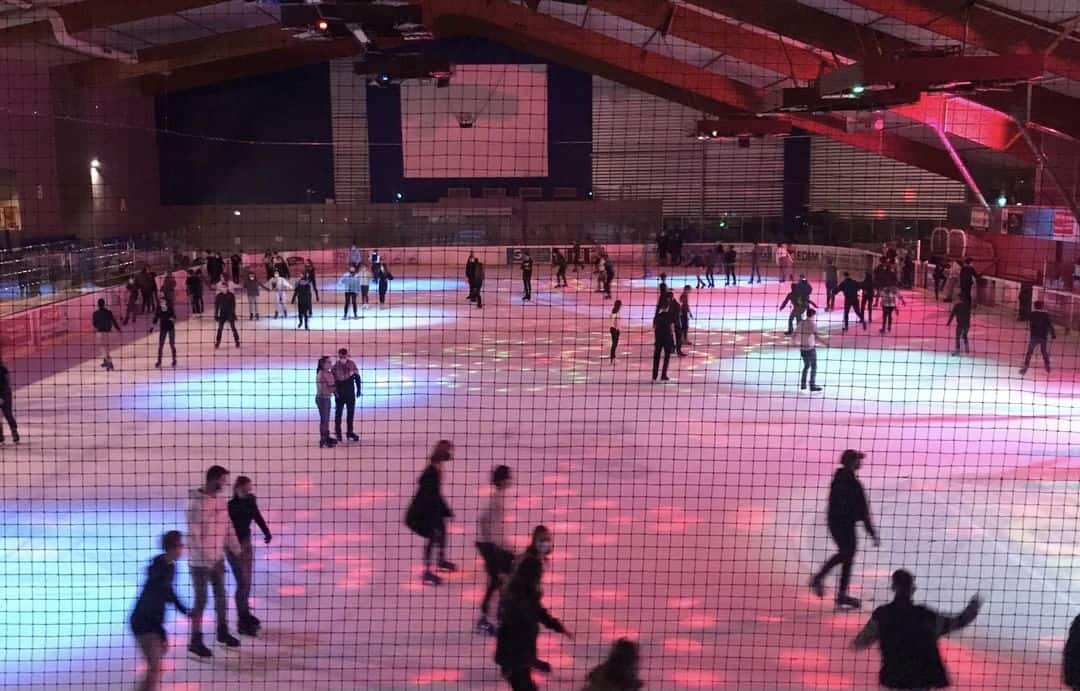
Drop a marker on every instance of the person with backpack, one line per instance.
(428, 512)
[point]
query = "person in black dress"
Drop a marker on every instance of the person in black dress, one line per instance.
(847, 508)
(165, 320)
(225, 313)
(7, 404)
(147, 620)
(428, 512)
(521, 615)
(908, 634)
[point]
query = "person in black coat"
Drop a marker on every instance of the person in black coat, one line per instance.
(730, 259)
(7, 405)
(194, 285)
(165, 319)
(234, 263)
(521, 615)
(1042, 330)
(667, 315)
(384, 276)
(428, 512)
(1071, 662)
(225, 313)
(850, 288)
(939, 278)
(302, 296)
(961, 312)
(147, 621)
(868, 288)
(526, 275)
(968, 277)
(470, 276)
(907, 635)
(243, 510)
(559, 260)
(847, 507)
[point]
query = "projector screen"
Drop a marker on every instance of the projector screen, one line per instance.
(508, 139)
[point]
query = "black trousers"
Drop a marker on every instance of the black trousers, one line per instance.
(526, 280)
(472, 289)
(9, 415)
(830, 296)
(364, 289)
(350, 298)
(615, 333)
(497, 563)
(663, 344)
(850, 307)
(382, 293)
(560, 276)
(843, 534)
(149, 300)
(608, 278)
(519, 678)
(344, 404)
(962, 335)
(755, 270)
(164, 334)
(939, 283)
(304, 314)
(196, 303)
(729, 274)
(479, 298)
(886, 318)
(1039, 343)
(221, 327)
(868, 309)
(710, 278)
(809, 358)
(436, 542)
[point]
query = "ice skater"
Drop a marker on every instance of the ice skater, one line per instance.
(968, 278)
(614, 329)
(225, 313)
(667, 314)
(784, 263)
(850, 289)
(908, 637)
(364, 274)
(104, 322)
(147, 620)
(889, 296)
(939, 279)
(952, 280)
(710, 267)
(800, 302)
(809, 337)
(375, 259)
(210, 535)
(243, 510)
(325, 386)
(1071, 659)
(1041, 330)
(234, 263)
(731, 258)
(346, 388)
(350, 284)
(168, 289)
(847, 508)
(194, 285)
(755, 263)
(832, 283)
(355, 255)
(429, 511)
(526, 275)
(608, 276)
(961, 312)
(682, 333)
(302, 298)
(131, 314)
(384, 282)
(280, 286)
(309, 270)
(281, 266)
(165, 320)
(148, 289)
(493, 545)
(619, 672)
(479, 274)
(559, 260)
(252, 288)
(522, 614)
(868, 295)
(470, 276)
(7, 405)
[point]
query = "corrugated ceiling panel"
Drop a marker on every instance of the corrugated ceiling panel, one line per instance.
(348, 106)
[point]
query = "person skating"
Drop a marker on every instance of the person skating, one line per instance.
(194, 285)
(243, 510)
(7, 404)
(755, 263)
(559, 260)
(850, 289)
(309, 270)
(281, 267)
(350, 284)
(784, 263)
(889, 296)
(104, 322)
(148, 289)
(578, 256)
(667, 314)
(968, 278)
(375, 259)
(952, 280)
(364, 274)
(268, 264)
(939, 279)
(526, 275)
(608, 276)
(614, 329)
(847, 508)
(832, 283)
(619, 672)
(355, 255)
(384, 281)
(1041, 330)
(234, 263)
(907, 635)
(346, 389)
(280, 286)
(682, 335)
(711, 259)
(470, 276)
(868, 294)
(168, 290)
(131, 314)
(147, 620)
(210, 535)
(225, 313)
(730, 260)
(479, 274)
(493, 545)
(165, 320)
(252, 288)
(521, 615)
(961, 312)
(302, 295)
(1071, 658)
(429, 511)
(809, 337)
(325, 387)
(800, 302)
(215, 267)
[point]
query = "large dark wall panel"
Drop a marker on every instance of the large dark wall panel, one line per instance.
(206, 146)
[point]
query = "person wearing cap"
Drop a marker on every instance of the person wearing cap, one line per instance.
(847, 507)
(907, 635)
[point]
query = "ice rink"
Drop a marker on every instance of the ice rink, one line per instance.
(688, 515)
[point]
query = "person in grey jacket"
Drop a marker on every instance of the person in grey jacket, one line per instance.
(252, 287)
(350, 283)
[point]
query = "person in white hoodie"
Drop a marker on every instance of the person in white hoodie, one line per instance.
(210, 533)
(280, 287)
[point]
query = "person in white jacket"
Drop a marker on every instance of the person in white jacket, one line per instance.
(493, 545)
(210, 533)
(280, 287)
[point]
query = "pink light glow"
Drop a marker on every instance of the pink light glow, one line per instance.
(682, 645)
(608, 595)
(363, 500)
(292, 590)
(683, 602)
(827, 680)
(602, 540)
(800, 658)
(601, 504)
(698, 621)
(697, 679)
(436, 676)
